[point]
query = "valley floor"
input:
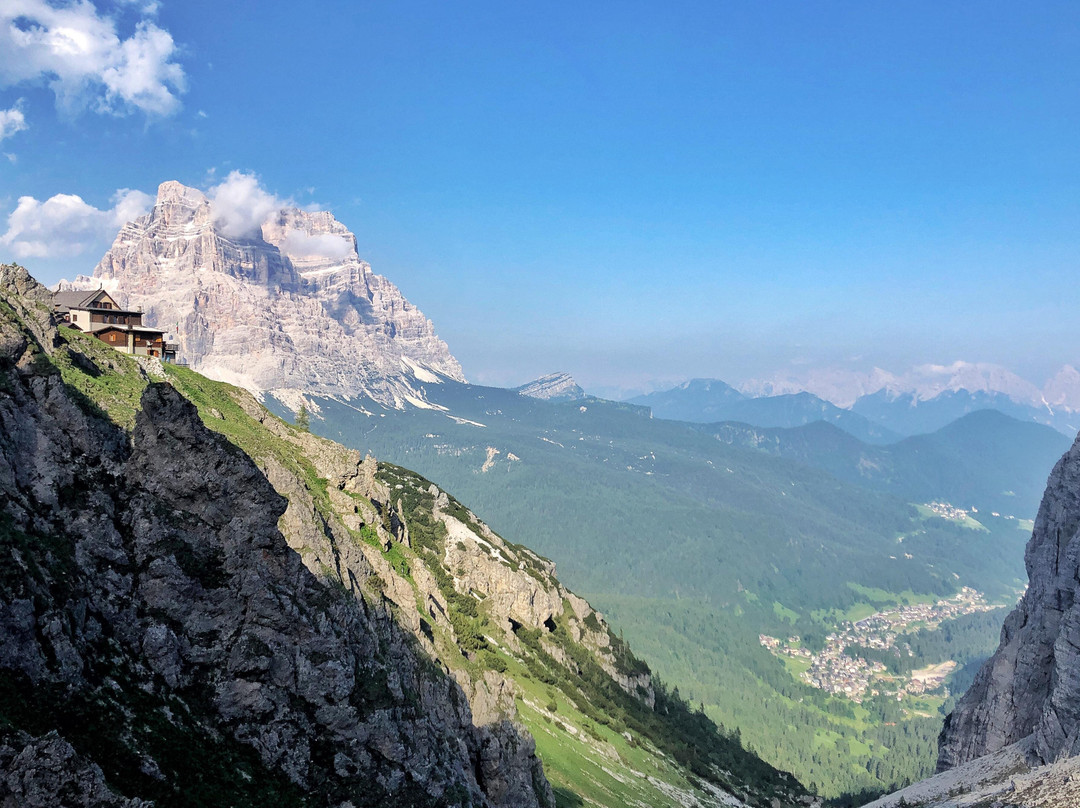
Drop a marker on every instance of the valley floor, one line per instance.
(841, 667)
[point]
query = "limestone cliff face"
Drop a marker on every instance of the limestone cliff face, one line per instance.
(293, 307)
(160, 633)
(1030, 689)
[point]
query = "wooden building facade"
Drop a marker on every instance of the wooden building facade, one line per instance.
(97, 313)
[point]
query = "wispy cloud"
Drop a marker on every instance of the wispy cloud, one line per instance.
(64, 225)
(12, 120)
(148, 7)
(76, 50)
(298, 244)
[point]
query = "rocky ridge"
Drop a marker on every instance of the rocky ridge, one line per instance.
(843, 387)
(184, 571)
(553, 387)
(290, 307)
(1030, 687)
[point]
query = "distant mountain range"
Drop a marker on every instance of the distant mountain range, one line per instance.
(843, 387)
(877, 407)
(984, 457)
(711, 400)
(907, 414)
(927, 397)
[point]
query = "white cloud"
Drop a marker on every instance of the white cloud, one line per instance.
(64, 225)
(78, 52)
(12, 121)
(129, 205)
(298, 244)
(150, 7)
(241, 206)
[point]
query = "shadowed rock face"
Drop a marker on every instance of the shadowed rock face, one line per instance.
(1030, 688)
(291, 307)
(147, 585)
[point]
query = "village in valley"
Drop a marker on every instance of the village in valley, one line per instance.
(837, 671)
(946, 510)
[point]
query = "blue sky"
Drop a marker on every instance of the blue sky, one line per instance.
(628, 191)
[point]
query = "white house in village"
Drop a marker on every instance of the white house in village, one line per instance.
(96, 313)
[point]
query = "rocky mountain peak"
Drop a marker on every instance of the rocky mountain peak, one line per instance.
(553, 387)
(172, 192)
(288, 306)
(1063, 389)
(178, 205)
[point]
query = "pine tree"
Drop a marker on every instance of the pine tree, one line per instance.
(303, 420)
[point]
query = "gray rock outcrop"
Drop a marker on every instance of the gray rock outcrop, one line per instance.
(1002, 779)
(36, 772)
(1030, 687)
(292, 308)
(553, 387)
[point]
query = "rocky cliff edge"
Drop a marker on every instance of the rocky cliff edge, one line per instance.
(202, 604)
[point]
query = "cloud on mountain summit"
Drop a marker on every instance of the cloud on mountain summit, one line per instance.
(77, 52)
(299, 244)
(241, 205)
(65, 226)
